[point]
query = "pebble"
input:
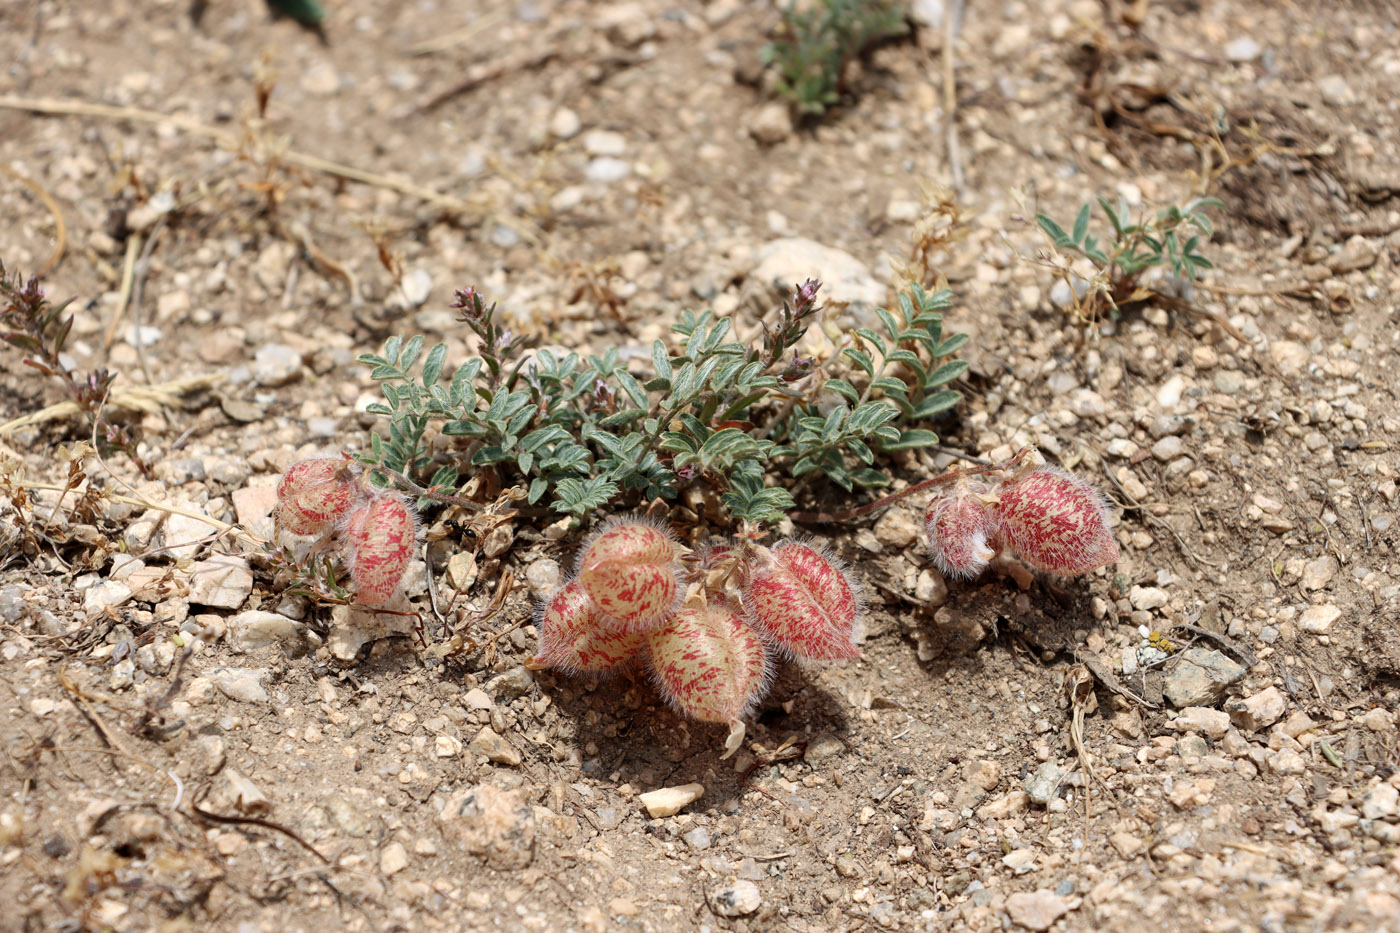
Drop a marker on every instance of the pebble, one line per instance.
(668, 801)
(1036, 910)
(276, 364)
(698, 838)
(1168, 448)
(1288, 356)
(495, 825)
(845, 279)
(413, 291)
(770, 124)
(1200, 677)
(244, 684)
(897, 528)
(494, 748)
(511, 685)
(1127, 844)
(393, 859)
(544, 576)
(1358, 253)
(1380, 802)
(221, 582)
(1318, 619)
(1243, 49)
(1286, 761)
(1378, 720)
(1042, 785)
(565, 124)
(104, 594)
(257, 628)
(1147, 598)
(477, 699)
(823, 747)
(123, 674)
(735, 900)
(1318, 573)
(929, 14)
(1259, 711)
(320, 79)
(605, 169)
(1336, 92)
(1212, 722)
(1020, 861)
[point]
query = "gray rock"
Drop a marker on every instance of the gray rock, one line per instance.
(605, 169)
(1358, 253)
(1042, 785)
(276, 364)
(494, 748)
(735, 900)
(1336, 92)
(1380, 802)
(12, 604)
(1200, 677)
(1243, 49)
(770, 124)
(1036, 910)
(823, 747)
(256, 628)
(698, 838)
(1212, 722)
(1259, 711)
(104, 594)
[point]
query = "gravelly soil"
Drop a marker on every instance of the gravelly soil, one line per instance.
(1201, 737)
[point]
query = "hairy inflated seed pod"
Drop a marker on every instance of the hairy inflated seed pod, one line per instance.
(1055, 522)
(379, 539)
(574, 637)
(709, 662)
(629, 570)
(961, 529)
(804, 601)
(314, 494)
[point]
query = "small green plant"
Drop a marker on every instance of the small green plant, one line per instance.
(578, 432)
(1171, 238)
(818, 44)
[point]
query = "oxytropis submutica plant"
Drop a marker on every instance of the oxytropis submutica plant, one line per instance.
(372, 530)
(709, 625)
(1052, 520)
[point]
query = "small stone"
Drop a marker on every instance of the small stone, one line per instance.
(1243, 49)
(393, 859)
(495, 825)
(1259, 711)
(897, 528)
(222, 582)
(1147, 598)
(1168, 448)
(782, 263)
(1036, 910)
(1318, 619)
(320, 79)
(257, 628)
(698, 838)
(1381, 802)
(1288, 356)
(494, 748)
(1318, 573)
(1191, 746)
(462, 570)
(770, 124)
(276, 364)
(1297, 724)
(1127, 844)
(606, 169)
(477, 699)
(1336, 92)
(1200, 677)
(1378, 720)
(1287, 761)
(243, 794)
(511, 685)
(822, 748)
(107, 593)
(1042, 785)
(413, 291)
(931, 589)
(180, 471)
(123, 674)
(985, 774)
(447, 746)
(1005, 806)
(1020, 861)
(1212, 722)
(735, 900)
(1358, 253)
(668, 801)
(565, 124)
(253, 506)
(244, 684)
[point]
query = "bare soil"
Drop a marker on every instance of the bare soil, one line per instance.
(1006, 754)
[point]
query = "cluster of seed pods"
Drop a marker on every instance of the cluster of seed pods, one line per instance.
(707, 627)
(1051, 520)
(376, 529)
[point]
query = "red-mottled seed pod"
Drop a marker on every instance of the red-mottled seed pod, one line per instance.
(804, 601)
(1056, 522)
(380, 537)
(315, 493)
(629, 570)
(709, 662)
(961, 530)
(575, 639)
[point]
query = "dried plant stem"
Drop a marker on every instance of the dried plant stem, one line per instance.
(236, 531)
(230, 140)
(883, 501)
(60, 229)
(147, 398)
(951, 16)
(133, 249)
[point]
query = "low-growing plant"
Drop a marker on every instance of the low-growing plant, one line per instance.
(577, 433)
(820, 41)
(1169, 238)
